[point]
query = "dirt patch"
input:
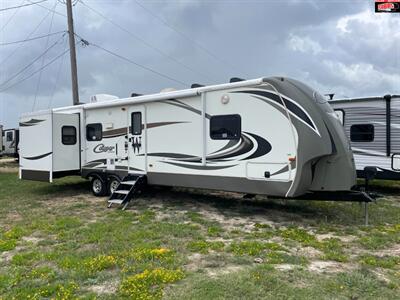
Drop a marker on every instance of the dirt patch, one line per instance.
(344, 239)
(195, 261)
(12, 217)
(6, 169)
(215, 272)
(242, 223)
(392, 251)
(7, 256)
(284, 267)
(107, 288)
(32, 239)
(213, 267)
(71, 200)
(319, 266)
(308, 252)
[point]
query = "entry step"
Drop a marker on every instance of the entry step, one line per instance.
(115, 201)
(121, 192)
(131, 182)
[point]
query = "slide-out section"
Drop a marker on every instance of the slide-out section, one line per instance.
(43, 158)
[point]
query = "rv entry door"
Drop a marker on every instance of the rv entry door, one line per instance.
(137, 139)
(66, 143)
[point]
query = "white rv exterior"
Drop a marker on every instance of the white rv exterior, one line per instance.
(271, 136)
(10, 140)
(372, 125)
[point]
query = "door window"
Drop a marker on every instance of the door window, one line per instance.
(396, 162)
(9, 136)
(136, 123)
(340, 115)
(68, 135)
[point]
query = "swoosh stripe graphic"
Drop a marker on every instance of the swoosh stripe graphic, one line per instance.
(123, 131)
(38, 157)
(199, 167)
(186, 106)
(245, 146)
(170, 155)
(31, 122)
(158, 124)
(263, 147)
(292, 107)
(230, 144)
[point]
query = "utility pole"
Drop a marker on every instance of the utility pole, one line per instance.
(72, 54)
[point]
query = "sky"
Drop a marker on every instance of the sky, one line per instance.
(339, 47)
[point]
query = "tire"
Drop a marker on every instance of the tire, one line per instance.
(113, 182)
(99, 187)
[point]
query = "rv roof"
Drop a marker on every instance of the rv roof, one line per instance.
(167, 95)
(358, 99)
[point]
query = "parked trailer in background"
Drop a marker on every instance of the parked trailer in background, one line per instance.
(372, 125)
(10, 139)
(272, 136)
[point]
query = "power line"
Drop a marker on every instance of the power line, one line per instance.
(23, 5)
(85, 42)
(12, 17)
(200, 46)
(49, 9)
(31, 63)
(57, 77)
(29, 35)
(47, 43)
(32, 39)
(146, 43)
(35, 72)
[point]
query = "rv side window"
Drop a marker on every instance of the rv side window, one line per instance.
(362, 133)
(136, 123)
(94, 132)
(225, 127)
(68, 135)
(9, 136)
(340, 114)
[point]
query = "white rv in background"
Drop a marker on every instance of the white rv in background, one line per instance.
(272, 136)
(372, 125)
(10, 140)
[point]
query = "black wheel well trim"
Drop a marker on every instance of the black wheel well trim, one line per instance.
(99, 175)
(109, 176)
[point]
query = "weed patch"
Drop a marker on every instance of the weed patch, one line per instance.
(253, 248)
(387, 262)
(149, 283)
(203, 246)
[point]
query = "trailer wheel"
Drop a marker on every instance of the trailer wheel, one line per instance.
(113, 183)
(99, 187)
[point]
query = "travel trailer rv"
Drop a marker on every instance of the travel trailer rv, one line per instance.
(10, 142)
(372, 125)
(272, 136)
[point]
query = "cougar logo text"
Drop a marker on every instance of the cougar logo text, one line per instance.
(101, 148)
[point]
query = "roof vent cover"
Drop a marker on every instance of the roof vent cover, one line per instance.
(102, 98)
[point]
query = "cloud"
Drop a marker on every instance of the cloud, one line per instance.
(363, 77)
(304, 44)
(334, 46)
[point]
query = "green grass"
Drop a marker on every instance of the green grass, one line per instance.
(59, 242)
